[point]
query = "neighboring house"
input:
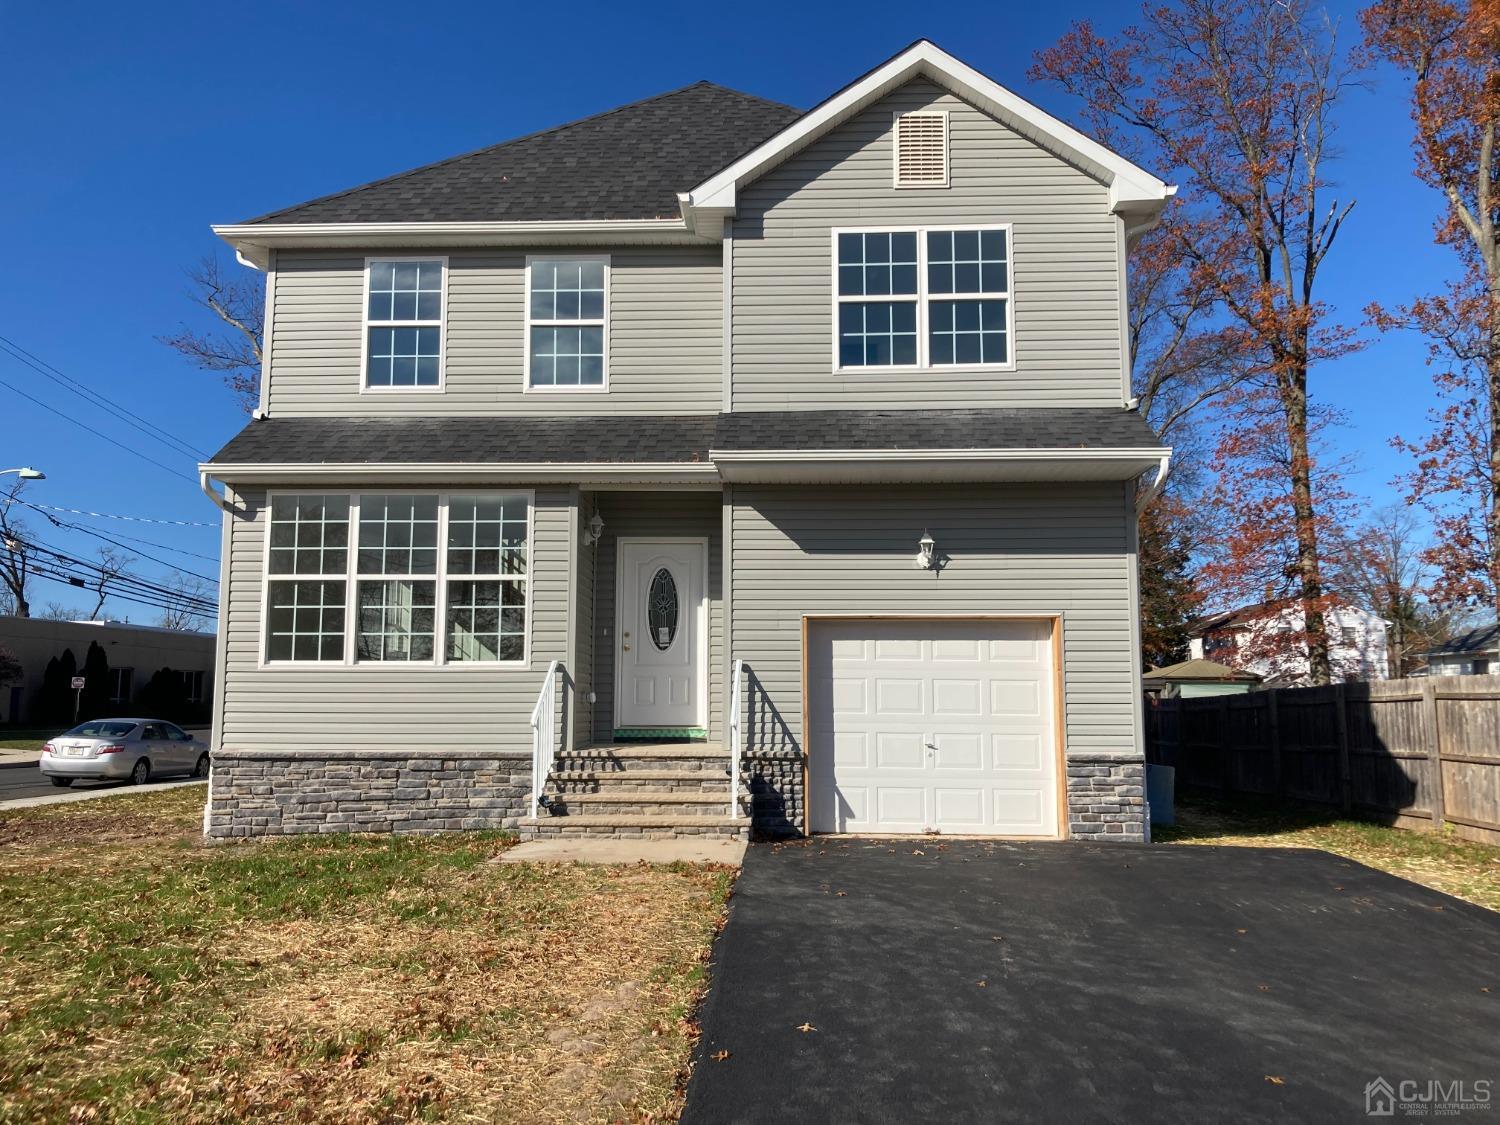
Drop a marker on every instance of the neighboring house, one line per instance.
(1475, 653)
(135, 654)
(1194, 678)
(1248, 638)
(700, 461)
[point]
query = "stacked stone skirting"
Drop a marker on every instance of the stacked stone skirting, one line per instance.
(276, 793)
(775, 779)
(1107, 798)
(273, 793)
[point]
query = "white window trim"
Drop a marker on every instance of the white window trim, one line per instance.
(366, 324)
(896, 152)
(528, 323)
(922, 299)
(351, 578)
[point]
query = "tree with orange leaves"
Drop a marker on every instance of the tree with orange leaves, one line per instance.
(1451, 51)
(1235, 99)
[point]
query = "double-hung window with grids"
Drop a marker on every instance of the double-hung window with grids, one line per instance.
(922, 298)
(404, 323)
(567, 323)
(430, 579)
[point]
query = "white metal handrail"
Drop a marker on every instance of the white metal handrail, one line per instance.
(735, 688)
(544, 735)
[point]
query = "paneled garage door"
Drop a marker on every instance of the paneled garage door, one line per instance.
(932, 725)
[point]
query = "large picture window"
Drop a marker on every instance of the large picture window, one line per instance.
(429, 579)
(567, 301)
(404, 324)
(922, 298)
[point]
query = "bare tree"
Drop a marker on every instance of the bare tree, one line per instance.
(1383, 567)
(183, 609)
(15, 558)
(234, 351)
(56, 611)
(113, 564)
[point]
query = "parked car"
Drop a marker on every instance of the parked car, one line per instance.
(117, 749)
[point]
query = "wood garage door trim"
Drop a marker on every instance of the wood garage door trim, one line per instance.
(1054, 621)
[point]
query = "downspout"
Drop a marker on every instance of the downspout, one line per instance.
(1152, 490)
(205, 482)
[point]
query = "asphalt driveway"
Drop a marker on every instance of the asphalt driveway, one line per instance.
(967, 982)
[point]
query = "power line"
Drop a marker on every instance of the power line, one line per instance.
(111, 516)
(97, 433)
(97, 398)
(69, 581)
(134, 550)
(132, 582)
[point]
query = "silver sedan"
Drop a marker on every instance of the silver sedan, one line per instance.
(120, 749)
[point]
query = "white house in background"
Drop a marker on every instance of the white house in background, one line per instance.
(1241, 638)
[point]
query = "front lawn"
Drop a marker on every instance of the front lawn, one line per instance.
(1443, 861)
(144, 976)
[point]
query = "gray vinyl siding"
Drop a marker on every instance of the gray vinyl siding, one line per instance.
(665, 336)
(1022, 549)
(325, 707)
(696, 515)
(1067, 342)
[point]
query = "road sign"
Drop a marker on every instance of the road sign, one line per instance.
(77, 683)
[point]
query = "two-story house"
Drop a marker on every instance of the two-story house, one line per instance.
(700, 464)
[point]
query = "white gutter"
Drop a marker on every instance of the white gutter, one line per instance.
(1150, 453)
(252, 241)
(468, 471)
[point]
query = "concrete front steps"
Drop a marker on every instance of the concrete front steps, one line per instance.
(631, 790)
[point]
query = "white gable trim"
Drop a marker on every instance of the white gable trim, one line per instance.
(1131, 189)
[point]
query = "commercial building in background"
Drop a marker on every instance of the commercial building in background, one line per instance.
(141, 660)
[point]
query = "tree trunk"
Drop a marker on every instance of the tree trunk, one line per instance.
(1492, 373)
(1293, 380)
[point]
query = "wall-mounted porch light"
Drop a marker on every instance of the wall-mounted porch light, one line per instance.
(595, 531)
(926, 557)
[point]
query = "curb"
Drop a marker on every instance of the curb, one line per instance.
(65, 797)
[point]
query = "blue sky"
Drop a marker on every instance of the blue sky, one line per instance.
(135, 127)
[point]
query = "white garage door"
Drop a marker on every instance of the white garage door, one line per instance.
(932, 725)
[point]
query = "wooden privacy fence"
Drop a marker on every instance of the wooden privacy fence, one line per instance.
(1418, 753)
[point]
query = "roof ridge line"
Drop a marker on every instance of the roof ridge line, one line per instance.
(395, 176)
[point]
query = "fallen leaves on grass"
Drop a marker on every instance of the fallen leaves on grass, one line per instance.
(343, 979)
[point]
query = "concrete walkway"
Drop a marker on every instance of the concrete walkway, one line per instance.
(687, 850)
(111, 789)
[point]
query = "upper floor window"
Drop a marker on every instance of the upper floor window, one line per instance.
(923, 298)
(404, 323)
(567, 302)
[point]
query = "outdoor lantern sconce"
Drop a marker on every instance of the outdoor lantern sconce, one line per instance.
(595, 531)
(925, 559)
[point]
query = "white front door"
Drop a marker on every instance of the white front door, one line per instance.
(932, 726)
(662, 651)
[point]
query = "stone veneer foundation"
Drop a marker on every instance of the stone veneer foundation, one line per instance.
(277, 793)
(274, 793)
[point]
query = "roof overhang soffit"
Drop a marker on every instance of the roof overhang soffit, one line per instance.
(1133, 192)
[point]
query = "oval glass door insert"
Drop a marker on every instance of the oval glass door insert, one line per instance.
(661, 610)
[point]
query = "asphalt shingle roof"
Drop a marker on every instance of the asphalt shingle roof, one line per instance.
(1031, 428)
(1483, 639)
(625, 439)
(625, 163)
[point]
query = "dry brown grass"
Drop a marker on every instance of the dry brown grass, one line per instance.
(339, 979)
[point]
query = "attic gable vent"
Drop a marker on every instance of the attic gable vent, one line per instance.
(922, 149)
